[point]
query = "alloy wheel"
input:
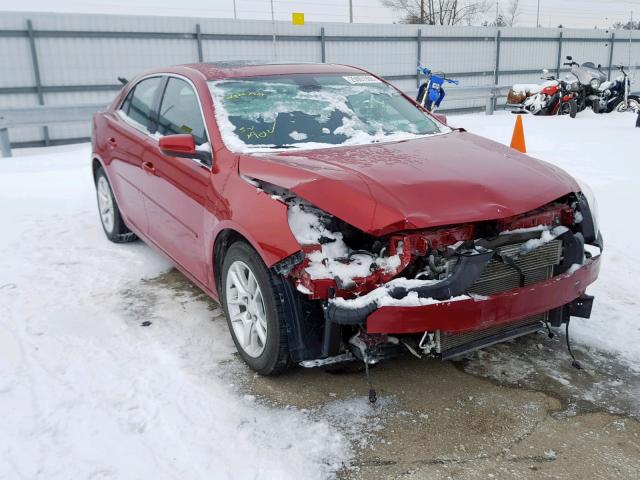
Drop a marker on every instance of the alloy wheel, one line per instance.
(245, 305)
(105, 204)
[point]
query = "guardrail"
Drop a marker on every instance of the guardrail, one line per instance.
(44, 115)
(39, 116)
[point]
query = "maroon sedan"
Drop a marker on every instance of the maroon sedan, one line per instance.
(335, 219)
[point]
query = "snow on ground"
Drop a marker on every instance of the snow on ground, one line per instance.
(85, 390)
(601, 150)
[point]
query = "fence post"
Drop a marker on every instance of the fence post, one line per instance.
(489, 106)
(36, 74)
(496, 74)
(322, 45)
(613, 40)
(199, 41)
(419, 38)
(5, 144)
(559, 55)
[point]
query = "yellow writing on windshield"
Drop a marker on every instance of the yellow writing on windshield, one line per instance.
(252, 134)
(236, 96)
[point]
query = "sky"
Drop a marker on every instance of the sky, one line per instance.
(570, 13)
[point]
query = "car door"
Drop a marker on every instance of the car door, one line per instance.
(175, 189)
(128, 140)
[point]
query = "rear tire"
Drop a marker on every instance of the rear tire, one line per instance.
(110, 216)
(254, 309)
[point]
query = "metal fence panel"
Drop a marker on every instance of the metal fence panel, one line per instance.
(79, 57)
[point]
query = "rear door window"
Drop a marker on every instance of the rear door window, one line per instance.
(180, 111)
(138, 106)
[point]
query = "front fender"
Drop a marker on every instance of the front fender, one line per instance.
(260, 219)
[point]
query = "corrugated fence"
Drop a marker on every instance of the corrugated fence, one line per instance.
(63, 59)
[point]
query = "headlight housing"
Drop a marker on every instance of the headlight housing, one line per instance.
(595, 83)
(592, 204)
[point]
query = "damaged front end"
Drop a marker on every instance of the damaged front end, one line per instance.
(437, 292)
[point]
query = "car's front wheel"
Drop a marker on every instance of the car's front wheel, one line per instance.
(110, 217)
(254, 312)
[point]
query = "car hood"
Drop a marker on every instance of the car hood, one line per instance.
(420, 183)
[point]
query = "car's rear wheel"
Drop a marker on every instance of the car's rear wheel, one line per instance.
(110, 217)
(254, 312)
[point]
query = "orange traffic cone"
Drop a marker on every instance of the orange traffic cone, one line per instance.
(517, 140)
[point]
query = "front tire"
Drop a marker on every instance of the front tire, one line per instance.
(254, 310)
(633, 104)
(110, 217)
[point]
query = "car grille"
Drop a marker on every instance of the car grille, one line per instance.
(498, 277)
(451, 345)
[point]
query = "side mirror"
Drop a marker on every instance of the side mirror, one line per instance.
(569, 57)
(183, 146)
(440, 117)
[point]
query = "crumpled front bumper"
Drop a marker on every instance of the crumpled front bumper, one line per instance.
(479, 313)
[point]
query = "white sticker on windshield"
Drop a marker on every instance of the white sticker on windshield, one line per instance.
(360, 79)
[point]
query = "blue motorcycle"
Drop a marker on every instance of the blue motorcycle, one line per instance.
(431, 92)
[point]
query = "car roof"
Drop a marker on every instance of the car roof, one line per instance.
(253, 68)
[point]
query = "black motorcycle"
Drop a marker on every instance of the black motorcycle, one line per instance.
(614, 95)
(586, 80)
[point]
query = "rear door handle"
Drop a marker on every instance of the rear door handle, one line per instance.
(148, 167)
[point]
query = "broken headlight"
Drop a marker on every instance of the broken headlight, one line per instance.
(592, 204)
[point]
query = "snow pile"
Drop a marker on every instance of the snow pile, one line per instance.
(526, 88)
(85, 390)
(382, 298)
(608, 165)
(334, 259)
(546, 237)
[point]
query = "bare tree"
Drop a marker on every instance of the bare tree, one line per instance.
(513, 12)
(629, 25)
(439, 12)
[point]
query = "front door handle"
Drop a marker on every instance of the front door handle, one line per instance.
(112, 141)
(148, 167)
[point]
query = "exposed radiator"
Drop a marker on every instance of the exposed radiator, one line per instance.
(536, 265)
(498, 277)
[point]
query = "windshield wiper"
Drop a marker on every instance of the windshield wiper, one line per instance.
(281, 146)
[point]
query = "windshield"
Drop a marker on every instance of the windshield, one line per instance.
(314, 111)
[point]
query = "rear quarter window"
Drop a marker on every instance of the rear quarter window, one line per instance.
(138, 105)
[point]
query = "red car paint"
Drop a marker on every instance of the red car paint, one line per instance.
(416, 184)
(499, 309)
(182, 208)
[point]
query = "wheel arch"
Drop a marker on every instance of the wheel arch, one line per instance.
(96, 164)
(304, 342)
(223, 240)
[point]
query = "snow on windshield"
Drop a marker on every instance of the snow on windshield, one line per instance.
(312, 111)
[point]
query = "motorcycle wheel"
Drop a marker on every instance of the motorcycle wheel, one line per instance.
(573, 109)
(634, 104)
(422, 92)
